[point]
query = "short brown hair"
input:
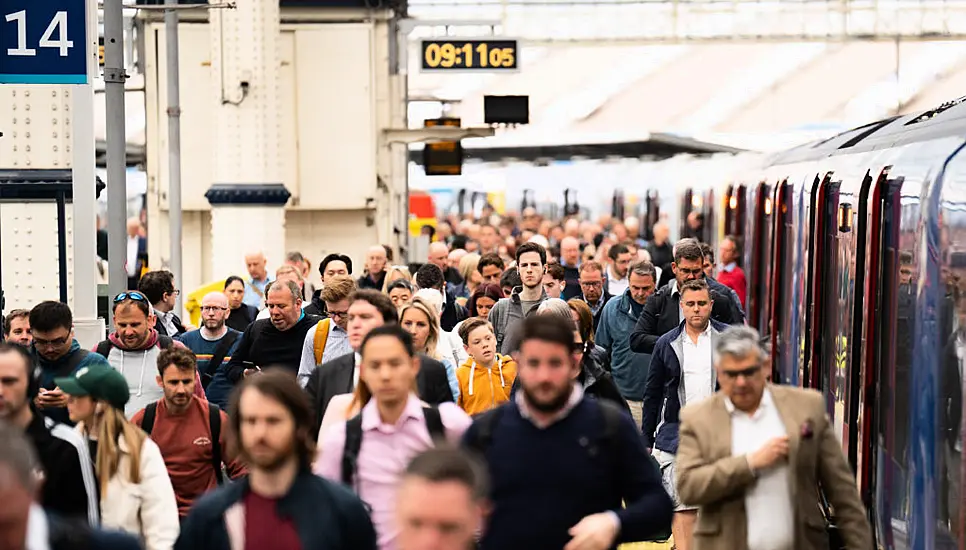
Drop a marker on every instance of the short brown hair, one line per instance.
(556, 271)
(379, 301)
(696, 285)
(338, 288)
(447, 463)
(13, 316)
(472, 324)
(280, 386)
(592, 265)
(182, 358)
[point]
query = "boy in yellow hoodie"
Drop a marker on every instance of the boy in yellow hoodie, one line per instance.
(485, 378)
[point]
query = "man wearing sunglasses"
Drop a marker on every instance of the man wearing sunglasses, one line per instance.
(680, 373)
(663, 313)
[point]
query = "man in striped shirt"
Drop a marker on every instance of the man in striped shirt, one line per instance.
(214, 340)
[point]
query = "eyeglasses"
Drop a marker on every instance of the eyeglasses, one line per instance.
(747, 373)
(175, 292)
(56, 342)
(591, 284)
(133, 295)
(213, 308)
(339, 314)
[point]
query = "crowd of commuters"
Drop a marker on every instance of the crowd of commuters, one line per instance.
(529, 385)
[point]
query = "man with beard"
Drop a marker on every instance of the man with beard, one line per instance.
(213, 345)
(281, 504)
(599, 462)
(189, 431)
(508, 312)
(133, 349)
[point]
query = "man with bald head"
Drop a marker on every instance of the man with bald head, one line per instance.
(213, 345)
(570, 260)
(255, 287)
(137, 252)
(439, 256)
(375, 276)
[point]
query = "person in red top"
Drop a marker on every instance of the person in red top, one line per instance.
(181, 424)
(730, 274)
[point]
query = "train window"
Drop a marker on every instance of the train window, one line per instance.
(758, 255)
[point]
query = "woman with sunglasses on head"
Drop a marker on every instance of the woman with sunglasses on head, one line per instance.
(136, 495)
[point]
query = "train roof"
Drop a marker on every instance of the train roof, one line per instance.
(945, 120)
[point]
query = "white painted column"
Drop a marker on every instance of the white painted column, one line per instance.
(88, 328)
(247, 195)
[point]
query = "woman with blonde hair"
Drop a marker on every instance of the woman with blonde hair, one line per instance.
(135, 491)
(421, 319)
(469, 271)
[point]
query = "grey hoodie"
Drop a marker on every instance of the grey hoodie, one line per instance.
(505, 316)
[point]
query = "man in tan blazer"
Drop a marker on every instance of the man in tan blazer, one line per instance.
(753, 455)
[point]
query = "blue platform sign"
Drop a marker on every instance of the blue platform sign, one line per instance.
(43, 42)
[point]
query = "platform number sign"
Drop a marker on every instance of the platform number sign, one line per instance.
(43, 42)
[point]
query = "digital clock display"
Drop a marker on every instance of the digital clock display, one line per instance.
(470, 55)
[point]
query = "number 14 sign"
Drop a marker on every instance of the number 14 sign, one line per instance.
(43, 42)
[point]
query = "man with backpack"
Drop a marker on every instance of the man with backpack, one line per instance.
(133, 349)
(560, 464)
(369, 453)
(189, 431)
(213, 345)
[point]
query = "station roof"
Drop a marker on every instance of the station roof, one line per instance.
(746, 95)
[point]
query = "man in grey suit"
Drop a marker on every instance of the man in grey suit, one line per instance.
(369, 309)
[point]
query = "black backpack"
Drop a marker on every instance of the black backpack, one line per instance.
(214, 424)
(353, 440)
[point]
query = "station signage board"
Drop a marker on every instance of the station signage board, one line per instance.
(43, 42)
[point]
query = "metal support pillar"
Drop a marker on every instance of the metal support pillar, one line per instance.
(174, 144)
(114, 78)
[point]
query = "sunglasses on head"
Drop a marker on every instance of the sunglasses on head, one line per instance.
(133, 295)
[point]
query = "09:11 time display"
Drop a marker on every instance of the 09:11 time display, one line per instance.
(469, 55)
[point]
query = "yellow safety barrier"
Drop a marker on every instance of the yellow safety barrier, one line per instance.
(192, 303)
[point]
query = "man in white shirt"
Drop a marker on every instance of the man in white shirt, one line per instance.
(137, 252)
(680, 374)
(754, 456)
(619, 260)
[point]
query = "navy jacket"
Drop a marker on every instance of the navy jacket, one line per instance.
(662, 313)
(664, 394)
(536, 500)
(327, 516)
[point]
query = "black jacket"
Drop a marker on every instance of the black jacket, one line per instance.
(327, 516)
(265, 346)
(335, 378)
(367, 282)
(452, 313)
(317, 307)
(66, 534)
(240, 318)
(662, 314)
(159, 326)
(69, 489)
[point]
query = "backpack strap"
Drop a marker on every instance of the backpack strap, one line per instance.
(104, 347)
(321, 337)
(434, 424)
(147, 423)
(350, 452)
(218, 357)
(214, 424)
(485, 424)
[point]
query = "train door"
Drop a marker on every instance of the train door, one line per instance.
(822, 269)
(735, 212)
(758, 256)
(878, 330)
(652, 214)
(780, 278)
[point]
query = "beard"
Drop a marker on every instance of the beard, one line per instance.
(553, 404)
(212, 324)
(268, 458)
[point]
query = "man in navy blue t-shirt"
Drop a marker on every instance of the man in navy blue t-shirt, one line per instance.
(213, 337)
(561, 464)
